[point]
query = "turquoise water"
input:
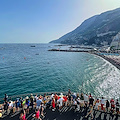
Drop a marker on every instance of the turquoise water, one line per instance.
(46, 71)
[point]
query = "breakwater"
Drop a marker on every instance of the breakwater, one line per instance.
(60, 50)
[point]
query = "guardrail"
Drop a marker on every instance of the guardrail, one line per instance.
(13, 97)
(28, 94)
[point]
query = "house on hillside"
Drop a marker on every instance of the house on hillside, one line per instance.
(116, 42)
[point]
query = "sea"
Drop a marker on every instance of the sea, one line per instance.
(31, 68)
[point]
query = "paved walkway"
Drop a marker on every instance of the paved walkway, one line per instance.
(66, 113)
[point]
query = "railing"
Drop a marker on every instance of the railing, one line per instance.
(13, 97)
(28, 94)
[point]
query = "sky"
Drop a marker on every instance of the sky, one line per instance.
(41, 21)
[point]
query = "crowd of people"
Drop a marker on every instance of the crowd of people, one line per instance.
(79, 102)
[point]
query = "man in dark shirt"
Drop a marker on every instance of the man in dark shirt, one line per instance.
(5, 98)
(69, 92)
(117, 106)
(91, 100)
(6, 106)
(31, 100)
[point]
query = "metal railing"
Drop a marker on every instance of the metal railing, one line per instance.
(28, 94)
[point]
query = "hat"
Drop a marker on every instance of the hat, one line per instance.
(31, 94)
(90, 105)
(61, 95)
(0, 115)
(74, 94)
(27, 97)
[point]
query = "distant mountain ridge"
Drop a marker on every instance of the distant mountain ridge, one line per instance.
(98, 30)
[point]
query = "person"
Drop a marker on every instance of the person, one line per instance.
(10, 105)
(90, 95)
(37, 114)
(97, 104)
(21, 102)
(69, 92)
(44, 98)
(14, 107)
(31, 100)
(42, 109)
(81, 96)
(65, 100)
(91, 100)
(78, 103)
(56, 98)
(6, 106)
(60, 101)
(0, 115)
(107, 105)
(5, 98)
(53, 104)
(74, 96)
(38, 103)
(36, 98)
(1, 110)
(17, 104)
(117, 106)
(69, 99)
(91, 111)
(75, 105)
(23, 115)
(102, 103)
(27, 104)
(82, 101)
(52, 95)
(86, 100)
(112, 104)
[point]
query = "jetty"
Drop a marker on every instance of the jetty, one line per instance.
(70, 50)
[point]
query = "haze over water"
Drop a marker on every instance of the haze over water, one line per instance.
(46, 71)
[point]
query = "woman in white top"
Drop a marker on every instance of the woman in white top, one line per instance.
(102, 101)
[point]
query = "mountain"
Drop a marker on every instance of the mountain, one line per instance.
(98, 30)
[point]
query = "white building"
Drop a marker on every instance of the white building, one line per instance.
(116, 41)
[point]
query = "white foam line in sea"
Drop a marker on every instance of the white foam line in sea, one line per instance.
(110, 86)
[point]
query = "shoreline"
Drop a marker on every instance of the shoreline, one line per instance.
(112, 61)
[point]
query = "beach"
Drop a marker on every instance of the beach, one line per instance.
(115, 60)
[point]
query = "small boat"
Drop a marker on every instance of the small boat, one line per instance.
(37, 54)
(32, 46)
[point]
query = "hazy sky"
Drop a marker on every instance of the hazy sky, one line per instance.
(40, 21)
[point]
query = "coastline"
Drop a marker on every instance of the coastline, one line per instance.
(111, 60)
